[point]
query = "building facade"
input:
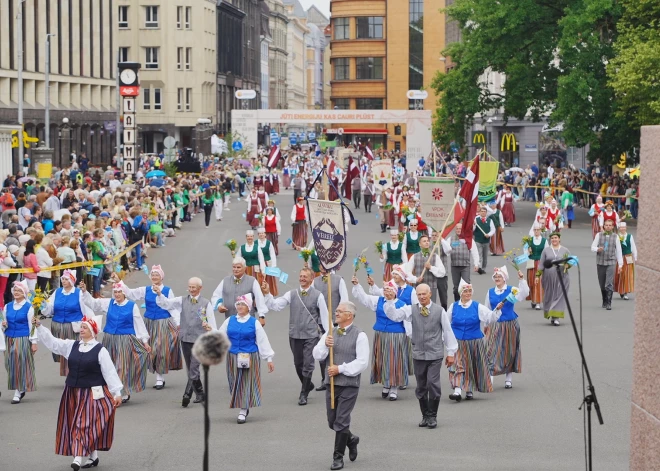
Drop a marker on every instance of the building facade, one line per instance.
(175, 42)
(278, 55)
(297, 58)
(266, 39)
(82, 40)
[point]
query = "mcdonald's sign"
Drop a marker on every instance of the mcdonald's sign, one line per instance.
(478, 139)
(508, 142)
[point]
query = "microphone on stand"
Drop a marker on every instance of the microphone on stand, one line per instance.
(561, 261)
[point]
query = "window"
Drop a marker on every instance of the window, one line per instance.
(369, 68)
(146, 99)
(179, 58)
(342, 104)
(188, 99)
(179, 17)
(341, 28)
(151, 61)
(158, 104)
(152, 17)
(123, 16)
(369, 27)
(341, 69)
(123, 54)
(179, 99)
(369, 104)
(189, 58)
(188, 16)
(416, 45)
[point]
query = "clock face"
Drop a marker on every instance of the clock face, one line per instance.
(128, 76)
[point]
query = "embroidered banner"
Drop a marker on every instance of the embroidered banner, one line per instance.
(326, 219)
(381, 171)
(436, 196)
(488, 179)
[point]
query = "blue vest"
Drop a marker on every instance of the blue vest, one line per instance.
(405, 295)
(67, 307)
(17, 321)
(507, 310)
(243, 335)
(154, 311)
(84, 368)
(384, 323)
(465, 322)
(120, 319)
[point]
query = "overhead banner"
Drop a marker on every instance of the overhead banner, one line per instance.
(381, 171)
(326, 219)
(488, 170)
(436, 196)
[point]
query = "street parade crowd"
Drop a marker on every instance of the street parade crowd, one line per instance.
(65, 241)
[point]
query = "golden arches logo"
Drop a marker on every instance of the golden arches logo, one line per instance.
(26, 140)
(622, 161)
(479, 138)
(510, 140)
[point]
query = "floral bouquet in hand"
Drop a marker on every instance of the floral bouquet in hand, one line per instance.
(401, 236)
(38, 299)
(379, 248)
(360, 260)
(387, 207)
(231, 245)
(513, 296)
(511, 256)
(527, 240)
(305, 254)
(202, 314)
(571, 260)
(405, 212)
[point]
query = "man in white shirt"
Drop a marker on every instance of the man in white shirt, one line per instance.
(607, 247)
(484, 229)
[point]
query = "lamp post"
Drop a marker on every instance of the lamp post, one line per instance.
(19, 28)
(65, 142)
(47, 100)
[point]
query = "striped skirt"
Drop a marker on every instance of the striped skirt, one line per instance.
(165, 345)
(62, 331)
(274, 238)
(624, 283)
(535, 291)
(300, 233)
(19, 363)
(387, 274)
(504, 348)
(595, 227)
(390, 359)
(244, 383)
(497, 243)
(130, 358)
(470, 368)
(84, 424)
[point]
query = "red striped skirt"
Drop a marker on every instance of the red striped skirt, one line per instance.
(387, 275)
(625, 282)
(286, 180)
(508, 212)
(19, 362)
(130, 358)
(84, 424)
(535, 291)
(390, 359)
(276, 186)
(497, 243)
(165, 345)
(62, 331)
(470, 369)
(504, 348)
(595, 228)
(300, 233)
(273, 238)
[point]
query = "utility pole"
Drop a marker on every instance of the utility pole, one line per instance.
(19, 28)
(118, 118)
(47, 104)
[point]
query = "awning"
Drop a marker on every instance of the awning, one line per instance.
(357, 131)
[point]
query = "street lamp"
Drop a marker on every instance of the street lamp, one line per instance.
(19, 28)
(47, 100)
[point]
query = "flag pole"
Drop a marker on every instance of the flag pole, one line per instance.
(437, 242)
(326, 191)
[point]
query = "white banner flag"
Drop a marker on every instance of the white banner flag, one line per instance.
(381, 171)
(328, 232)
(436, 197)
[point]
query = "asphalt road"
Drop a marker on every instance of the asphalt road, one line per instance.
(534, 426)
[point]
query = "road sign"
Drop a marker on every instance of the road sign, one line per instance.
(129, 166)
(169, 142)
(293, 140)
(417, 94)
(237, 146)
(311, 136)
(245, 94)
(129, 136)
(129, 152)
(129, 105)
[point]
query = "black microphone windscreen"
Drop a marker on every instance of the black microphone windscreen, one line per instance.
(547, 263)
(211, 348)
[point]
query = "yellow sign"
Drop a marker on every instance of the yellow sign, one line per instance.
(622, 161)
(44, 170)
(510, 140)
(479, 138)
(26, 140)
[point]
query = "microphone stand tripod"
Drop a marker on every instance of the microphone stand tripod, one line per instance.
(590, 398)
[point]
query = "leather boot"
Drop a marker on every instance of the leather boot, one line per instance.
(608, 300)
(383, 228)
(424, 407)
(341, 439)
(433, 413)
(352, 444)
(304, 391)
(187, 394)
(604, 296)
(199, 391)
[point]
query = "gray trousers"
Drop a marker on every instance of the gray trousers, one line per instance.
(427, 374)
(339, 418)
(484, 250)
(456, 274)
(303, 359)
(443, 286)
(192, 365)
(606, 276)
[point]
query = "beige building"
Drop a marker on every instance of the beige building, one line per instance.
(278, 54)
(82, 74)
(175, 42)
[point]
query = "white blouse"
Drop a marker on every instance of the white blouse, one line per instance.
(138, 294)
(103, 304)
(30, 315)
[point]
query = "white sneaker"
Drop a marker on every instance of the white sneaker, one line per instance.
(555, 322)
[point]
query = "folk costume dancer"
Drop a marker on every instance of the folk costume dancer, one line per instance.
(369, 192)
(608, 214)
(431, 333)
(254, 209)
(308, 314)
(197, 317)
(624, 280)
(508, 210)
(218, 202)
(554, 215)
(460, 260)
(267, 250)
(497, 241)
(546, 225)
(20, 345)
(411, 239)
(503, 337)
(351, 356)
(471, 365)
(433, 268)
(92, 391)
(553, 297)
(299, 218)
(594, 212)
(386, 208)
(536, 247)
(125, 337)
(272, 228)
(239, 284)
(390, 354)
(262, 195)
(162, 325)
(254, 258)
(442, 282)
(391, 254)
(249, 345)
(609, 259)
(484, 230)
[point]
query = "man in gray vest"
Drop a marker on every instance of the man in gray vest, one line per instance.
(607, 247)
(308, 315)
(369, 192)
(356, 189)
(431, 334)
(197, 317)
(484, 229)
(442, 282)
(239, 284)
(351, 357)
(339, 295)
(420, 262)
(298, 185)
(460, 260)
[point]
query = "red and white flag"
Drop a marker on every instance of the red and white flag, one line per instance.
(368, 152)
(353, 172)
(331, 167)
(274, 156)
(470, 193)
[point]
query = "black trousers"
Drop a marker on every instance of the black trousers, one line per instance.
(357, 197)
(339, 418)
(207, 213)
(303, 359)
(443, 286)
(427, 374)
(42, 283)
(367, 202)
(296, 194)
(192, 365)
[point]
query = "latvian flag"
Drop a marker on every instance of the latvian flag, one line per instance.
(470, 193)
(368, 152)
(274, 156)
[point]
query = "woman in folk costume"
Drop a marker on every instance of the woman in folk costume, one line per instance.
(262, 195)
(268, 182)
(86, 418)
(276, 183)
(218, 202)
(546, 225)
(254, 259)
(471, 365)
(391, 254)
(20, 345)
(536, 247)
(495, 215)
(66, 305)
(390, 353)
(272, 228)
(594, 212)
(608, 214)
(286, 176)
(508, 211)
(504, 335)
(267, 249)
(162, 325)
(547, 198)
(624, 281)
(254, 208)
(554, 214)
(271, 205)
(126, 338)
(249, 345)
(404, 206)
(299, 218)
(411, 239)
(553, 297)
(387, 216)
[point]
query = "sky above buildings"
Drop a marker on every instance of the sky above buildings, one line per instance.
(323, 5)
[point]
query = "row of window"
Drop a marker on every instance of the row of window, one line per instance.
(360, 103)
(366, 27)
(152, 56)
(152, 17)
(152, 98)
(366, 68)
